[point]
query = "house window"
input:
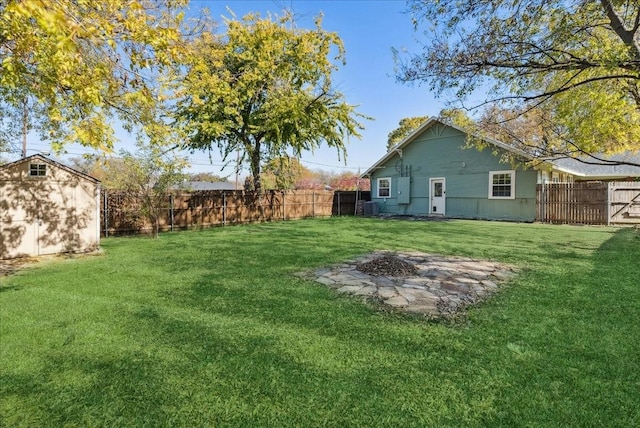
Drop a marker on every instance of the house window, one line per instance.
(384, 187)
(37, 170)
(502, 184)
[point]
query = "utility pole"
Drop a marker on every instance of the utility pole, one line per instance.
(237, 166)
(25, 126)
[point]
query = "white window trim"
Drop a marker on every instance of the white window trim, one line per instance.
(513, 184)
(431, 195)
(38, 169)
(378, 187)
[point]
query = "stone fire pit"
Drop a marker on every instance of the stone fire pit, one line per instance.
(430, 284)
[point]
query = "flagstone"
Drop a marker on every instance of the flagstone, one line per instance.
(349, 289)
(443, 285)
(396, 301)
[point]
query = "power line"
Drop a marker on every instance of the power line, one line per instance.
(331, 166)
(192, 161)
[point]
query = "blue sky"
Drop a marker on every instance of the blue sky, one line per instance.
(369, 30)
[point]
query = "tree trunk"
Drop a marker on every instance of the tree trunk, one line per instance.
(255, 171)
(157, 222)
(255, 167)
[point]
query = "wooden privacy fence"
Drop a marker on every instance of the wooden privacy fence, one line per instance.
(598, 203)
(121, 213)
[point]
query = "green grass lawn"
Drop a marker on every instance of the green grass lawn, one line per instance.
(212, 328)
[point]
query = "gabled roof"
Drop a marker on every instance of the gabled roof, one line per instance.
(428, 124)
(45, 159)
(568, 165)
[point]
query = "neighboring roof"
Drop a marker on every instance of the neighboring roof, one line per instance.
(593, 170)
(208, 185)
(569, 165)
(45, 159)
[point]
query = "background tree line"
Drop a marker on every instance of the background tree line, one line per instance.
(122, 172)
(556, 78)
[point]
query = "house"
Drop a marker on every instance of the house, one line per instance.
(47, 208)
(433, 172)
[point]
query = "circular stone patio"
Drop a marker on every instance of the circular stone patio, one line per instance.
(441, 287)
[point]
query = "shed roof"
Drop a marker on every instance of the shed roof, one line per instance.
(45, 159)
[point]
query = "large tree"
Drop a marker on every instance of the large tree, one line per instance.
(578, 60)
(264, 90)
(68, 68)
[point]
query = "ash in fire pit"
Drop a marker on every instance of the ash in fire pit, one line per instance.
(387, 265)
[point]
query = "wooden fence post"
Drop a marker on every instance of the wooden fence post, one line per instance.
(171, 210)
(609, 190)
(541, 203)
(224, 208)
(284, 207)
(313, 203)
(106, 214)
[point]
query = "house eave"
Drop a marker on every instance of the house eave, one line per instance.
(565, 170)
(609, 177)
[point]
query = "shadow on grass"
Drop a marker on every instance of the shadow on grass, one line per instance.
(244, 342)
(339, 374)
(5, 288)
(568, 340)
(82, 389)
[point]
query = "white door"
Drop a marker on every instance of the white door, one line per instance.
(437, 195)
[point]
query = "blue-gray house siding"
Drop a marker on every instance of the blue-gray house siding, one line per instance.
(438, 151)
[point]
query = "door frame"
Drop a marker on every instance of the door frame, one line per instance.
(432, 180)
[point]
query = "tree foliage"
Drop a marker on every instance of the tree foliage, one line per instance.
(405, 127)
(350, 181)
(207, 177)
(264, 89)
(282, 173)
(111, 171)
(578, 60)
(80, 64)
(149, 174)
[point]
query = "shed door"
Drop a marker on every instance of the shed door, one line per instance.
(56, 223)
(437, 196)
(18, 234)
